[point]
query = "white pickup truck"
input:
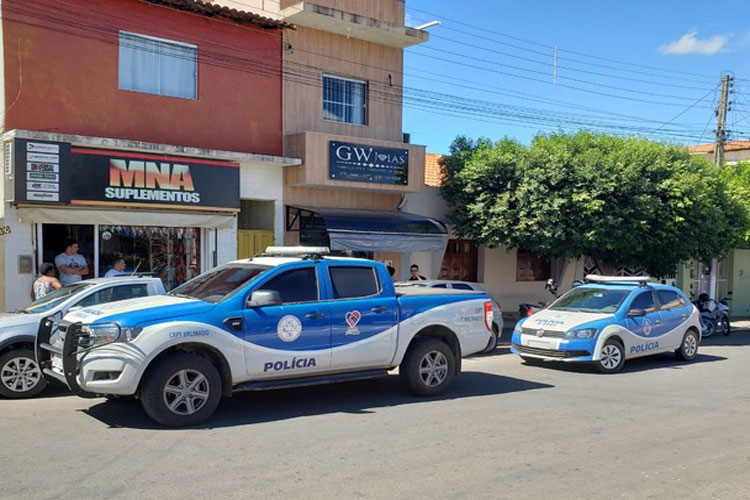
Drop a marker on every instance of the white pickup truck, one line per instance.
(263, 323)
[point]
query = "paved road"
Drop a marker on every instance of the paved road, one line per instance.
(660, 429)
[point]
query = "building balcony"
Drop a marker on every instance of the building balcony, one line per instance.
(312, 15)
(336, 161)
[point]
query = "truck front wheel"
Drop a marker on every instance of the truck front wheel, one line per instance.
(181, 390)
(428, 368)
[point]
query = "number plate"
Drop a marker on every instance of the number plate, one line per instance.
(57, 363)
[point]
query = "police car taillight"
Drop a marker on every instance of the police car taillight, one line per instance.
(529, 312)
(489, 315)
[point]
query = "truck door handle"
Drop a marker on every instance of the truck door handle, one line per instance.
(378, 309)
(314, 315)
(657, 321)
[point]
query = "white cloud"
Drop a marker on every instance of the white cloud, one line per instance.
(689, 43)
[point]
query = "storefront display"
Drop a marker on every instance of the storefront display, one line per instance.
(171, 253)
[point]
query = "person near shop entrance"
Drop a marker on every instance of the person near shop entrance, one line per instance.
(117, 269)
(71, 264)
(391, 269)
(45, 283)
(414, 273)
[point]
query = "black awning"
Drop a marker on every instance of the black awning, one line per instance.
(370, 230)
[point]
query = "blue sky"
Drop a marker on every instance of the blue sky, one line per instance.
(465, 68)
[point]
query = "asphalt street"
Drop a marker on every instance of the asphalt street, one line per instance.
(660, 429)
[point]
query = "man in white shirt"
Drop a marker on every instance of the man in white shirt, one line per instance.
(71, 264)
(118, 269)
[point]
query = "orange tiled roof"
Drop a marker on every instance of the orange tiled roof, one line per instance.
(729, 146)
(433, 172)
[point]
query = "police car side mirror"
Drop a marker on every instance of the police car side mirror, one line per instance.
(634, 313)
(261, 298)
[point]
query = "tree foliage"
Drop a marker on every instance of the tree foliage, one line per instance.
(628, 201)
(737, 178)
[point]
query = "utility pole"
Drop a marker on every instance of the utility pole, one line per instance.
(721, 119)
(721, 139)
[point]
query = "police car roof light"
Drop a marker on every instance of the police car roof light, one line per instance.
(304, 252)
(620, 280)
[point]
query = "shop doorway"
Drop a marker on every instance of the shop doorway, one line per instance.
(171, 253)
(54, 237)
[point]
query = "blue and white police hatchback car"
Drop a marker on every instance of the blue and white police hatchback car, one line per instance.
(609, 320)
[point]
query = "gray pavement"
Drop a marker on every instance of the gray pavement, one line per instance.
(660, 429)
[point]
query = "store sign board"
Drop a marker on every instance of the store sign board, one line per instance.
(41, 171)
(363, 163)
(85, 176)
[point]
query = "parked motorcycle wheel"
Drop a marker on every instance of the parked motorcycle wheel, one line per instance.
(723, 326)
(709, 327)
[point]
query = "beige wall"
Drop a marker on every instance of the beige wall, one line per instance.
(498, 275)
(303, 80)
(390, 11)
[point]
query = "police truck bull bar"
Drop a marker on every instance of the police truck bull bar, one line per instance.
(75, 343)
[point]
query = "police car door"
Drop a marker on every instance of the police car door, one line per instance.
(363, 317)
(644, 321)
(293, 338)
(675, 311)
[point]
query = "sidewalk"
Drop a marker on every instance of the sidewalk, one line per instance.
(741, 324)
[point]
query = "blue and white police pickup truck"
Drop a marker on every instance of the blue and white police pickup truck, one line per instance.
(609, 320)
(291, 317)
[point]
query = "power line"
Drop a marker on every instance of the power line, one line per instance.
(381, 91)
(532, 42)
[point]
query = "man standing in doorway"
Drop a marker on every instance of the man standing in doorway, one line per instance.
(414, 273)
(71, 264)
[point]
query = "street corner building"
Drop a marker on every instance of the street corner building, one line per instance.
(143, 129)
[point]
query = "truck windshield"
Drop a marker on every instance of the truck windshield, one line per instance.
(592, 300)
(219, 283)
(57, 297)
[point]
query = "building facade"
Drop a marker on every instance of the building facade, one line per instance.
(342, 109)
(149, 130)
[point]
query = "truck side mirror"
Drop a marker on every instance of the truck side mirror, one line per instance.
(262, 298)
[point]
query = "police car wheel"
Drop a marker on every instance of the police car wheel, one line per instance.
(182, 390)
(428, 368)
(689, 346)
(20, 376)
(612, 357)
(493, 340)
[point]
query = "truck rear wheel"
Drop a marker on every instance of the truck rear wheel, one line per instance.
(428, 368)
(181, 390)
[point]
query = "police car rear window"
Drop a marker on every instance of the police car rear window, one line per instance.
(351, 282)
(593, 300)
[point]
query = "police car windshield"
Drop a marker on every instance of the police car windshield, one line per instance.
(590, 300)
(219, 283)
(52, 299)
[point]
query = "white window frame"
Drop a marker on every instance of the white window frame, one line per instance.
(161, 40)
(365, 106)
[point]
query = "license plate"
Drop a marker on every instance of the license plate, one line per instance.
(57, 363)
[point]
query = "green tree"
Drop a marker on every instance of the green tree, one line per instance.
(737, 178)
(627, 201)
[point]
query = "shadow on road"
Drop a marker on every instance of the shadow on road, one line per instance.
(736, 338)
(359, 398)
(665, 360)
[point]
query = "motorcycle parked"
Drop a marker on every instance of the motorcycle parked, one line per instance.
(527, 308)
(714, 315)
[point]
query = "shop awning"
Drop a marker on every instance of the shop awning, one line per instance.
(370, 231)
(68, 215)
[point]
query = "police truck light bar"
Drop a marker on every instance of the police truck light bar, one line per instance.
(595, 278)
(295, 251)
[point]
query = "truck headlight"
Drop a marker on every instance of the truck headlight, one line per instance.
(584, 333)
(107, 333)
